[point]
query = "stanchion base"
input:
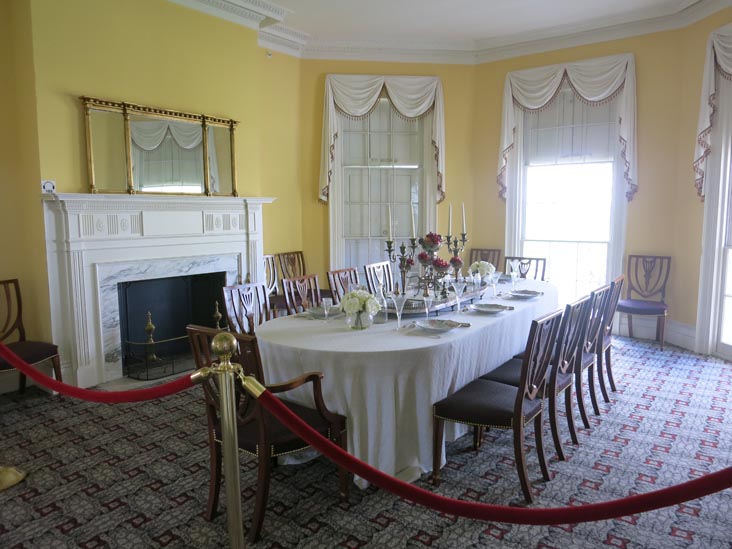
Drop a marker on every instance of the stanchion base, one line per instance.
(10, 476)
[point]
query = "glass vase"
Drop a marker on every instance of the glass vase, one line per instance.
(360, 320)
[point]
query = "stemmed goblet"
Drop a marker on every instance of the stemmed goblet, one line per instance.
(327, 304)
(458, 288)
(399, 301)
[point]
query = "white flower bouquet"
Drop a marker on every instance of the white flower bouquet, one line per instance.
(483, 268)
(359, 301)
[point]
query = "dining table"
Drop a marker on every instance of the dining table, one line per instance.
(385, 380)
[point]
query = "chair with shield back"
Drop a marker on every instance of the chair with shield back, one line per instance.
(379, 275)
(605, 342)
(342, 281)
(272, 283)
(260, 435)
(647, 276)
(587, 357)
(12, 334)
(561, 371)
(291, 264)
(491, 255)
(528, 267)
(247, 306)
(301, 293)
(484, 404)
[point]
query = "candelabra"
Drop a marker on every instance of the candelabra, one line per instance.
(405, 258)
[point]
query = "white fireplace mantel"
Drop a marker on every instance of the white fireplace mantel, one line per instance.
(95, 241)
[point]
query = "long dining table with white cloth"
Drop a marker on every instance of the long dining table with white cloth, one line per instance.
(385, 380)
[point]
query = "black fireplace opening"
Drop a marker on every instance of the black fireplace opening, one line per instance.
(168, 304)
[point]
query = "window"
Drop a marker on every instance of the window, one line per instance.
(169, 167)
(382, 163)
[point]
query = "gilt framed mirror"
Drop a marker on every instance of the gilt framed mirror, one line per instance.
(135, 149)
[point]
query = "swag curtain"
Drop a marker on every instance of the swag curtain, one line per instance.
(713, 168)
(356, 96)
(596, 82)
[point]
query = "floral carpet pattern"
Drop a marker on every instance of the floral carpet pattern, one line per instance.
(136, 475)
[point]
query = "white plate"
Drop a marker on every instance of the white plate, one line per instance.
(490, 308)
(525, 294)
(436, 325)
(317, 313)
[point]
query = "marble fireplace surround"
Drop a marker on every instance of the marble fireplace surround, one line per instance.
(96, 241)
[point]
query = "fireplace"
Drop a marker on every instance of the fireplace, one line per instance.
(96, 242)
(153, 318)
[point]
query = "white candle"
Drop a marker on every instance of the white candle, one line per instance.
(465, 230)
(391, 239)
(414, 229)
(449, 220)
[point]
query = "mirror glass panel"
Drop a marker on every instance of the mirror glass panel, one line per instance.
(136, 149)
(219, 151)
(108, 143)
(167, 155)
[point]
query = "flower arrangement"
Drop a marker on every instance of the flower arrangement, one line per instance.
(456, 262)
(440, 265)
(431, 242)
(483, 268)
(424, 258)
(359, 301)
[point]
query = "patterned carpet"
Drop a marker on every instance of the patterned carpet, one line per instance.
(135, 476)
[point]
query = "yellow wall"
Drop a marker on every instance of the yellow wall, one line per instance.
(22, 246)
(278, 100)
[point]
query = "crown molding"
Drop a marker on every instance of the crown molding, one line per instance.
(253, 14)
(267, 18)
(283, 39)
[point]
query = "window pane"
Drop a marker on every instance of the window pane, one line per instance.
(568, 202)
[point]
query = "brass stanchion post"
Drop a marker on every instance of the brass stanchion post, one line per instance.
(224, 346)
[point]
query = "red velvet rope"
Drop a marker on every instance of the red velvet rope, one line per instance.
(665, 497)
(108, 397)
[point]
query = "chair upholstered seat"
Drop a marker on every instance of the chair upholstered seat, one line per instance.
(282, 439)
(32, 352)
(642, 307)
(508, 373)
(483, 402)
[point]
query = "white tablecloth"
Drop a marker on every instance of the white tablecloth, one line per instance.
(385, 381)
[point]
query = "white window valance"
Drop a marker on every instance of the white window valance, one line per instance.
(356, 96)
(718, 61)
(594, 81)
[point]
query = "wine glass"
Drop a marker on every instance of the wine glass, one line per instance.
(493, 281)
(514, 272)
(327, 304)
(399, 301)
(427, 304)
(458, 288)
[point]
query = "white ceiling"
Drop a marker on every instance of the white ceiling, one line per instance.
(457, 31)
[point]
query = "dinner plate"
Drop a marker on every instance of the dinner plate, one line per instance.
(317, 313)
(525, 294)
(437, 325)
(490, 308)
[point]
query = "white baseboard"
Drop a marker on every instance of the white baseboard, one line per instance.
(644, 327)
(9, 378)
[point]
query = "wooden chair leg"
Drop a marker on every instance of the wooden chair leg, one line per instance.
(477, 437)
(661, 329)
(538, 435)
(580, 398)
(570, 414)
(520, 458)
(591, 383)
(554, 422)
(344, 477)
(437, 435)
(630, 326)
(609, 368)
(56, 360)
(214, 481)
(260, 504)
(21, 383)
(601, 377)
